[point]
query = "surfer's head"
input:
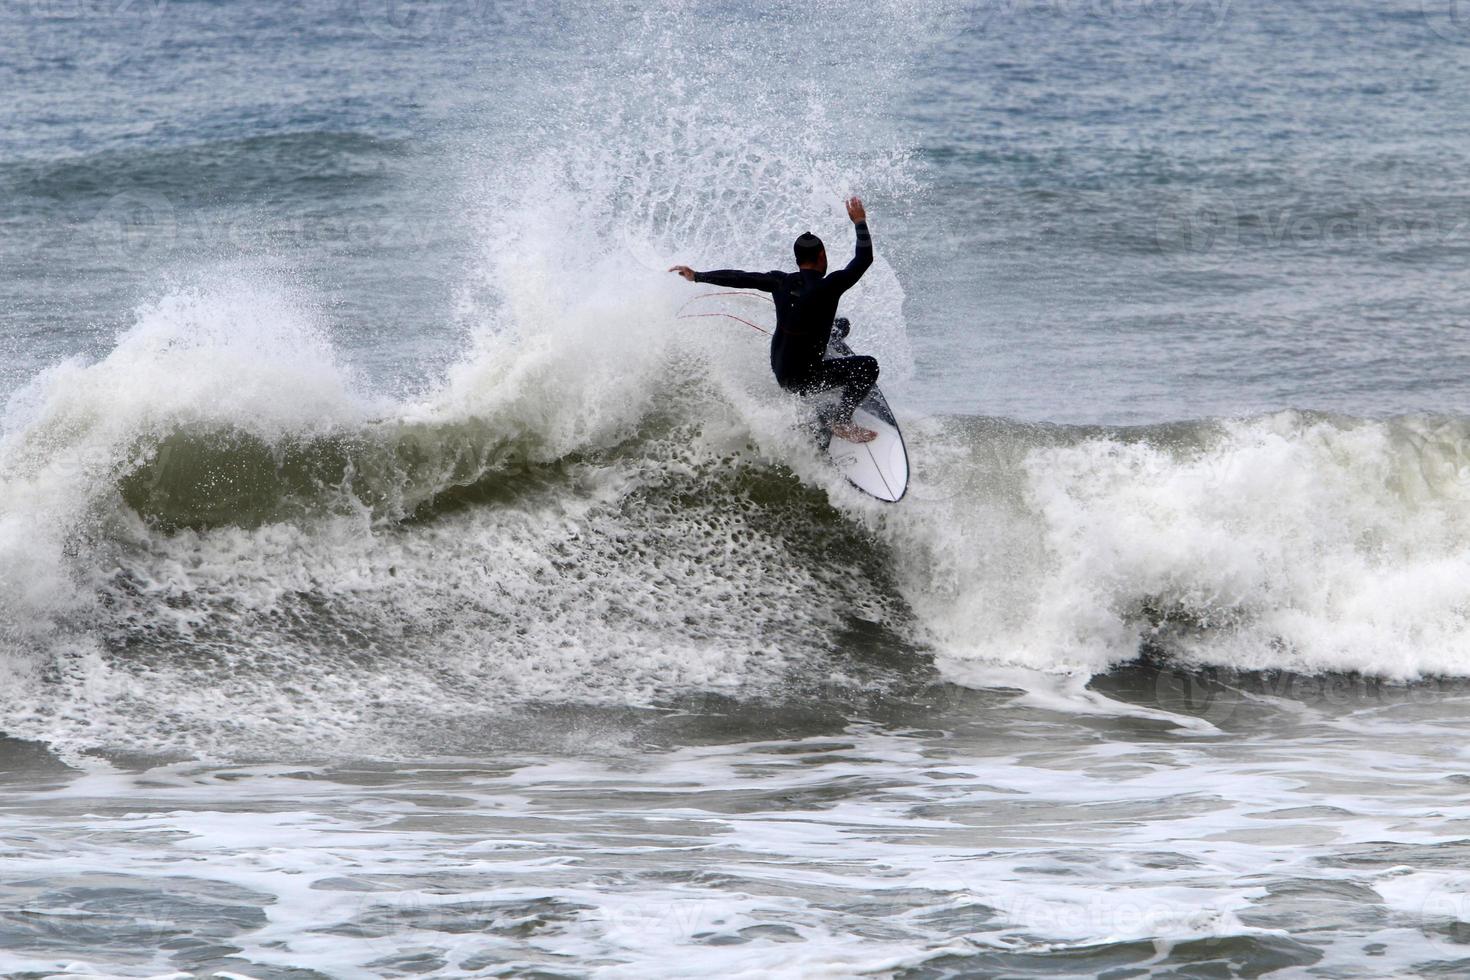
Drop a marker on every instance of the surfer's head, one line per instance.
(810, 253)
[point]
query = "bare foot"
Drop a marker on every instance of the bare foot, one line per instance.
(853, 433)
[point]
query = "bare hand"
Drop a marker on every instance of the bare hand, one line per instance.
(855, 210)
(684, 271)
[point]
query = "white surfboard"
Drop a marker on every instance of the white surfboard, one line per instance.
(880, 467)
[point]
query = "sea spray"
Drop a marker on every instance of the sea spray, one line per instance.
(1290, 541)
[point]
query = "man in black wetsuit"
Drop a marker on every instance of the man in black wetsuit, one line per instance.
(806, 305)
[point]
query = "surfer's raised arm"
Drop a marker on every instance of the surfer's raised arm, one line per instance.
(766, 282)
(845, 278)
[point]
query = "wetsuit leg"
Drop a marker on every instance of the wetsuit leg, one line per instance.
(854, 375)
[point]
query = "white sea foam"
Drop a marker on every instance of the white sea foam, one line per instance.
(634, 567)
(1284, 542)
(864, 851)
(236, 357)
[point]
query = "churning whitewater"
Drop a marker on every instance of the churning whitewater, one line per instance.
(217, 541)
(223, 536)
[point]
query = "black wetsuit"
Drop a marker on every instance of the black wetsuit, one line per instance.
(806, 305)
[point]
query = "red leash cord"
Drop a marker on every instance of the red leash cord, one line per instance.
(681, 315)
(728, 316)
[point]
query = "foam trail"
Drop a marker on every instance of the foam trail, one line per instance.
(1067, 693)
(1286, 542)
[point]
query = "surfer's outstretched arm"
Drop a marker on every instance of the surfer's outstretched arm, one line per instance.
(844, 279)
(731, 278)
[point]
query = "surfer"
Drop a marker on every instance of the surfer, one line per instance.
(806, 306)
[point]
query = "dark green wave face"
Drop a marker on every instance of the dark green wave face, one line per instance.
(200, 480)
(446, 557)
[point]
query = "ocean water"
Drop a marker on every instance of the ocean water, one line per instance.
(394, 581)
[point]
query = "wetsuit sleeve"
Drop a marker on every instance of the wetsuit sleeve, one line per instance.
(844, 279)
(764, 281)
